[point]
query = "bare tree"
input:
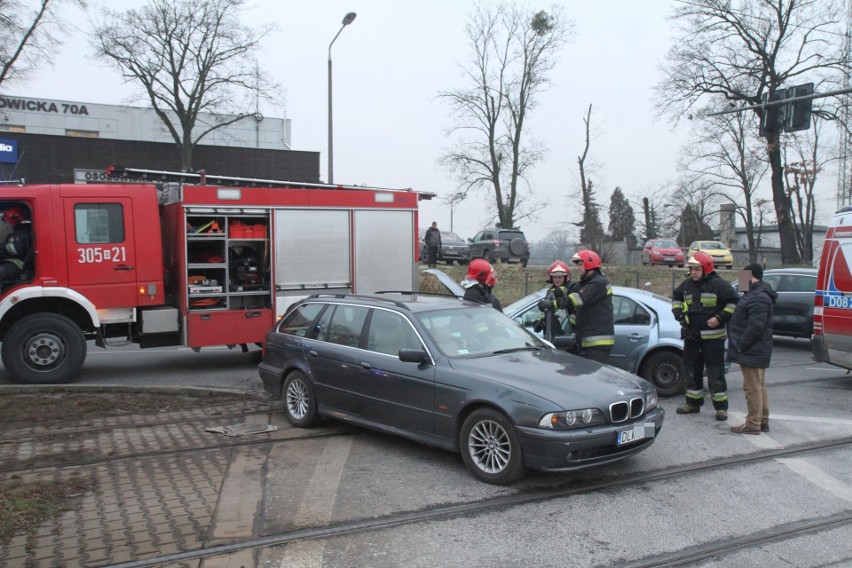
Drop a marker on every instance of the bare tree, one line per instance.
(513, 52)
(728, 157)
(737, 50)
(591, 228)
(28, 36)
(191, 57)
(801, 181)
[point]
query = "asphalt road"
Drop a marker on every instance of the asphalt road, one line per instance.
(699, 496)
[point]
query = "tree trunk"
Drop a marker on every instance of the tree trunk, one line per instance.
(789, 252)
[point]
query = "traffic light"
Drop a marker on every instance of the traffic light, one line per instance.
(773, 116)
(798, 113)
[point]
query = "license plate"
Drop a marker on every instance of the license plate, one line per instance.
(636, 433)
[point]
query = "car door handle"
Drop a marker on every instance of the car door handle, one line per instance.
(312, 353)
(634, 337)
(366, 366)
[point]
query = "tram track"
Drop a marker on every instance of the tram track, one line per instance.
(540, 494)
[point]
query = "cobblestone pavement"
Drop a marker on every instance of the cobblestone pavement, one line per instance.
(156, 481)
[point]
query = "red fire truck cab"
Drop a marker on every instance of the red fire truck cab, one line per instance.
(161, 264)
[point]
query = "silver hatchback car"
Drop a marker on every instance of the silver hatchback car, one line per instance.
(647, 336)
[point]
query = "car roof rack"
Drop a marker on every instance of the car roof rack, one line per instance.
(364, 297)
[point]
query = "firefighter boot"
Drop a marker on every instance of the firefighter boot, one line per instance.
(688, 409)
(721, 415)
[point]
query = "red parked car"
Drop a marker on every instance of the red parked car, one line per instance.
(662, 251)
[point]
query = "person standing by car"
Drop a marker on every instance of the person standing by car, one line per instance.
(433, 244)
(479, 282)
(551, 318)
(703, 304)
(750, 345)
(589, 301)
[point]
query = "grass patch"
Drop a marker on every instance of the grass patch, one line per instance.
(40, 408)
(24, 506)
(514, 281)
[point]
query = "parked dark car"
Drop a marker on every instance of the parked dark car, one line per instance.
(794, 307)
(662, 251)
(506, 245)
(458, 376)
(453, 248)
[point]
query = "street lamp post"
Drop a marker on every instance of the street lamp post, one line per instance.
(347, 19)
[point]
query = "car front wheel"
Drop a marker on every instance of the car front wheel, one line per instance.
(664, 370)
(300, 403)
(490, 447)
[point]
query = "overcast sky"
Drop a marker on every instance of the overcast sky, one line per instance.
(390, 128)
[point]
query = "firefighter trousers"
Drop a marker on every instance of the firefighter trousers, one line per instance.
(698, 354)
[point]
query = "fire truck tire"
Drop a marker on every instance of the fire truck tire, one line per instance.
(43, 350)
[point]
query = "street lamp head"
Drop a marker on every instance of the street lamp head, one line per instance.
(349, 18)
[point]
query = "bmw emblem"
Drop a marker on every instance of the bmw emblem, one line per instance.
(619, 393)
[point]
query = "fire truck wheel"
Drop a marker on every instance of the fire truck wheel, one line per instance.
(43, 350)
(300, 402)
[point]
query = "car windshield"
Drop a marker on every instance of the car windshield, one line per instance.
(476, 332)
(666, 245)
(448, 236)
(712, 246)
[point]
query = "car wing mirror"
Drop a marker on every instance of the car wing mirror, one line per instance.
(412, 355)
(565, 343)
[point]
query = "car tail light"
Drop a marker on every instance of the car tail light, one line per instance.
(818, 316)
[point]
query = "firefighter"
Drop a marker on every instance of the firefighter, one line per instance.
(15, 250)
(703, 304)
(589, 301)
(479, 282)
(551, 318)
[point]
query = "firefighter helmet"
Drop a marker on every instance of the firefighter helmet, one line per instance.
(14, 215)
(588, 258)
(479, 270)
(491, 279)
(558, 268)
(702, 259)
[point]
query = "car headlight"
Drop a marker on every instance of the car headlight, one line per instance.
(651, 400)
(571, 419)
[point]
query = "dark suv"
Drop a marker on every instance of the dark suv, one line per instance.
(507, 245)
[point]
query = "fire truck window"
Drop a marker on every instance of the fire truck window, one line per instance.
(97, 223)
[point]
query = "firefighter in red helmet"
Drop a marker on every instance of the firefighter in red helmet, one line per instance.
(479, 282)
(589, 301)
(16, 244)
(703, 304)
(552, 318)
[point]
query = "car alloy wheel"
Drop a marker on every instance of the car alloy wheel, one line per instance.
(300, 404)
(491, 448)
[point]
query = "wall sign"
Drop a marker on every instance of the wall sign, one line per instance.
(8, 151)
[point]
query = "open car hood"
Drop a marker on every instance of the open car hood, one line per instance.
(452, 286)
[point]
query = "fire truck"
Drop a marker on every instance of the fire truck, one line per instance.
(184, 259)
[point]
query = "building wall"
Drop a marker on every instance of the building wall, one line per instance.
(67, 118)
(53, 159)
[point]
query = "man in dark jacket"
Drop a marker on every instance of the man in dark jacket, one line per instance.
(703, 304)
(433, 244)
(750, 344)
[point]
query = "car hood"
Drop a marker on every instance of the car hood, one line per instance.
(667, 250)
(454, 287)
(566, 380)
(717, 252)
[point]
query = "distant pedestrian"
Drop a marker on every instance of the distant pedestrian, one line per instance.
(750, 345)
(433, 244)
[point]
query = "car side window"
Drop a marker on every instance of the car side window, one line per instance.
(345, 326)
(627, 312)
(773, 280)
(389, 332)
(299, 321)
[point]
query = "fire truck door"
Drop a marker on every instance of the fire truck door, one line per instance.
(101, 250)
